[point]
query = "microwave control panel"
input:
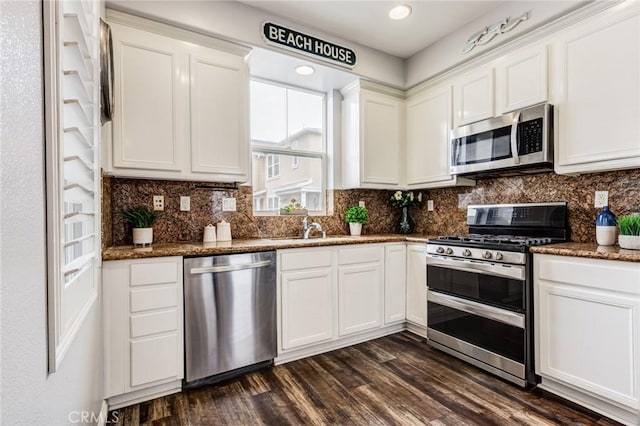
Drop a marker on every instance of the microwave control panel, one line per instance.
(530, 136)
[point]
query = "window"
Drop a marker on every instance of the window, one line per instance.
(273, 166)
(287, 127)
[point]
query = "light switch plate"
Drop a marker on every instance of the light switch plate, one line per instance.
(228, 204)
(361, 203)
(185, 204)
(430, 205)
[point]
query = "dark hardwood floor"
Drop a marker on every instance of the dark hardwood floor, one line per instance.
(395, 380)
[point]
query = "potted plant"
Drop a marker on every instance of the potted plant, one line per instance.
(629, 237)
(142, 218)
(355, 216)
(404, 200)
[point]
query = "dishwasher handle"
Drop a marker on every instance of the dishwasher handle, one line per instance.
(229, 268)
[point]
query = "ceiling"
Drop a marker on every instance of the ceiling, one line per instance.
(366, 22)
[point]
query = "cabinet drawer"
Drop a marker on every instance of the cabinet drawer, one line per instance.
(154, 359)
(359, 255)
(153, 323)
(146, 299)
(305, 259)
(153, 273)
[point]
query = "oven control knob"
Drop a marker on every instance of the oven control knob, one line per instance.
(486, 254)
(498, 255)
(449, 250)
(466, 252)
(440, 250)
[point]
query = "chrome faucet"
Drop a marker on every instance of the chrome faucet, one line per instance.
(306, 228)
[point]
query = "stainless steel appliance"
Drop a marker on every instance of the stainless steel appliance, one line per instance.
(479, 286)
(230, 315)
(515, 143)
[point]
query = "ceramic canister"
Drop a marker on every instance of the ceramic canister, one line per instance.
(224, 231)
(209, 234)
(606, 227)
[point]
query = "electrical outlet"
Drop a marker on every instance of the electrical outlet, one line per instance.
(158, 202)
(601, 198)
(430, 205)
(228, 204)
(361, 203)
(185, 204)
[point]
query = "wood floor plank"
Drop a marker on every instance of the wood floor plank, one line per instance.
(395, 380)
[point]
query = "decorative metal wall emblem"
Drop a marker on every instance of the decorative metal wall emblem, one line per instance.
(491, 31)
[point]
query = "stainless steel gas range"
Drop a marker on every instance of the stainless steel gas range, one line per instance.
(479, 286)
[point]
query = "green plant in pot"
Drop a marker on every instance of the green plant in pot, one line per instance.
(142, 219)
(356, 216)
(629, 237)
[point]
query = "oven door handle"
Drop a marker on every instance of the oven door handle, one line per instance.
(514, 137)
(475, 308)
(515, 272)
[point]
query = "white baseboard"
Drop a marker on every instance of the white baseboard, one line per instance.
(142, 395)
(104, 412)
(623, 415)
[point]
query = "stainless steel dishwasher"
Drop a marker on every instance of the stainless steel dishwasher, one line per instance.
(230, 315)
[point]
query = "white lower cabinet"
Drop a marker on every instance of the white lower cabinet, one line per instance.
(395, 282)
(336, 296)
(588, 332)
(360, 285)
(417, 285)
(306, 307)
(143, 321)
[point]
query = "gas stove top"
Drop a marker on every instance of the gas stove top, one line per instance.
(489, 239)
(500, 228)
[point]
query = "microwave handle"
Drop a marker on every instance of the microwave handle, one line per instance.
(514, 137)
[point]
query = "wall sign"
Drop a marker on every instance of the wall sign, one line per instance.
(491, 31)
(308, 45)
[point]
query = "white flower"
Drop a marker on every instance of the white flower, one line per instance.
(420, 196)
(398, 195)
(411, 196)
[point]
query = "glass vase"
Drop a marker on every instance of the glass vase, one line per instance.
(406, 225)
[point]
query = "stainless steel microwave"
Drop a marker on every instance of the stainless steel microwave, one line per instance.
(520, 142)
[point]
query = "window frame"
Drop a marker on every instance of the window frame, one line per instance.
(266, 148)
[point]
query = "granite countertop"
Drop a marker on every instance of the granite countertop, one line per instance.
(249, 245)
(591, 250)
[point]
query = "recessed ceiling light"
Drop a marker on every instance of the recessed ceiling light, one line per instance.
(400, 12)
(305, 70)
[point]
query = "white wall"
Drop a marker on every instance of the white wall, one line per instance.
(446, 53)
(238, 22)
(29, 396)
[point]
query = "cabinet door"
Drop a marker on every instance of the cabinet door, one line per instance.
(149, 125)
(306, 306)
(589, 325)
(598, 107)
(219, 95)
(521, 80)
(427, 139)
(417, 284)
(381, 134)
(395, 267)
(473, 97)
(154, 359)
(359, 298)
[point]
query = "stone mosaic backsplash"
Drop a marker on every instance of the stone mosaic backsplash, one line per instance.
(448, 217)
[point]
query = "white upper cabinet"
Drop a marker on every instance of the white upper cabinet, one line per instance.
(148, 129)
(373, 133)
(427, 144)
(181, 108)
(473, 96)
(219, 99)
(521, 80)
(596, 84)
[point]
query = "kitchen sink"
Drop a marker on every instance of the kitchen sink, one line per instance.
(310, 239)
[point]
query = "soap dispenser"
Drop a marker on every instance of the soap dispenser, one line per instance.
(606, 227)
